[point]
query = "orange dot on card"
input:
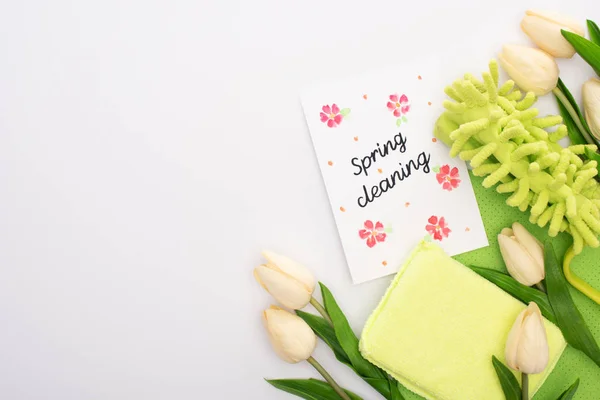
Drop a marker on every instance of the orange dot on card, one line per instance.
(406, 204)
(419, 77)
(330, 163)
(384, 263)
(467, 229)
(342, 209)
(428, 103)
(356, 138)
(379, 170)
(434, 140)
(364, 96)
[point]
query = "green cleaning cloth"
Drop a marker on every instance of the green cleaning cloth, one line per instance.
(573, 364)
(439, 324)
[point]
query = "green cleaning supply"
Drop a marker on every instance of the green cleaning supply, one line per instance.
(498, 131)
(438, 326)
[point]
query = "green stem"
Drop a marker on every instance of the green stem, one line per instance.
(320, 309)
(567, 104)
(525, 385)
(328, 378)
(541, 286)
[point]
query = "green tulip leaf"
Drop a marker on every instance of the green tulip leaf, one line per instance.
(594, 32)
(388, 388)
(404, 119)
(436, 169)
(382, 385)
(592, 155)
(563, 88)
(524, 293)
(568, 317)
(570, 392)
(588, 50)
(574, 134)
(345, 112)
(394, 391)
(508, 381)
(398, 122)
(346, 337)
(323, 330)
(310, 389)
(388, 229)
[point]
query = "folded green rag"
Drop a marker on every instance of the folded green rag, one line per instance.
(439, 324)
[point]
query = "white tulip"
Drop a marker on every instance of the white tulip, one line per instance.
(532, 69)
(591, 105)
(292, 339)
(544, 30)
(523, 255)
(288, 282)
(527, 345)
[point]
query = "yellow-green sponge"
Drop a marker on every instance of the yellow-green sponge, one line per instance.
(438, 326)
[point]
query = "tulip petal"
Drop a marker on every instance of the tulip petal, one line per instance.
(533, 353)
(292, 339)
(531, 244)
(507, 232)
(519, 263)
(532, 69)
(591, 105)
(295, 270)
(285, 289)
(558, 19)
(512, 343)
(547, 36)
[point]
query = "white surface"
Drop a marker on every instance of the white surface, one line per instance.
(148, 152)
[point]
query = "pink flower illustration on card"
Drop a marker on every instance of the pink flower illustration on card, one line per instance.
(374, 232)
(437, 228)
(399, 106)
(332, 115)
(448, 177)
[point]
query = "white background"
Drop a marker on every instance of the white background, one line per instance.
(149, 150)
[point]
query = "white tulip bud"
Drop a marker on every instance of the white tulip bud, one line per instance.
(532, 69)
(544, 30)
(523, 255)
(527, 345)
(591, 105)
(288, 282)
(292, 339)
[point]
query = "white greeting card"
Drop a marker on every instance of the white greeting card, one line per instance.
(390, 183)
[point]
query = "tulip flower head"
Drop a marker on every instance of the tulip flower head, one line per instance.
(532, 69)
(292, 339)
(523, 254)
(544, 29)
(591, 105)
(527, 345)
(288, 282)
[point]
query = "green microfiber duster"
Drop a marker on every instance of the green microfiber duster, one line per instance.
(498, 131)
